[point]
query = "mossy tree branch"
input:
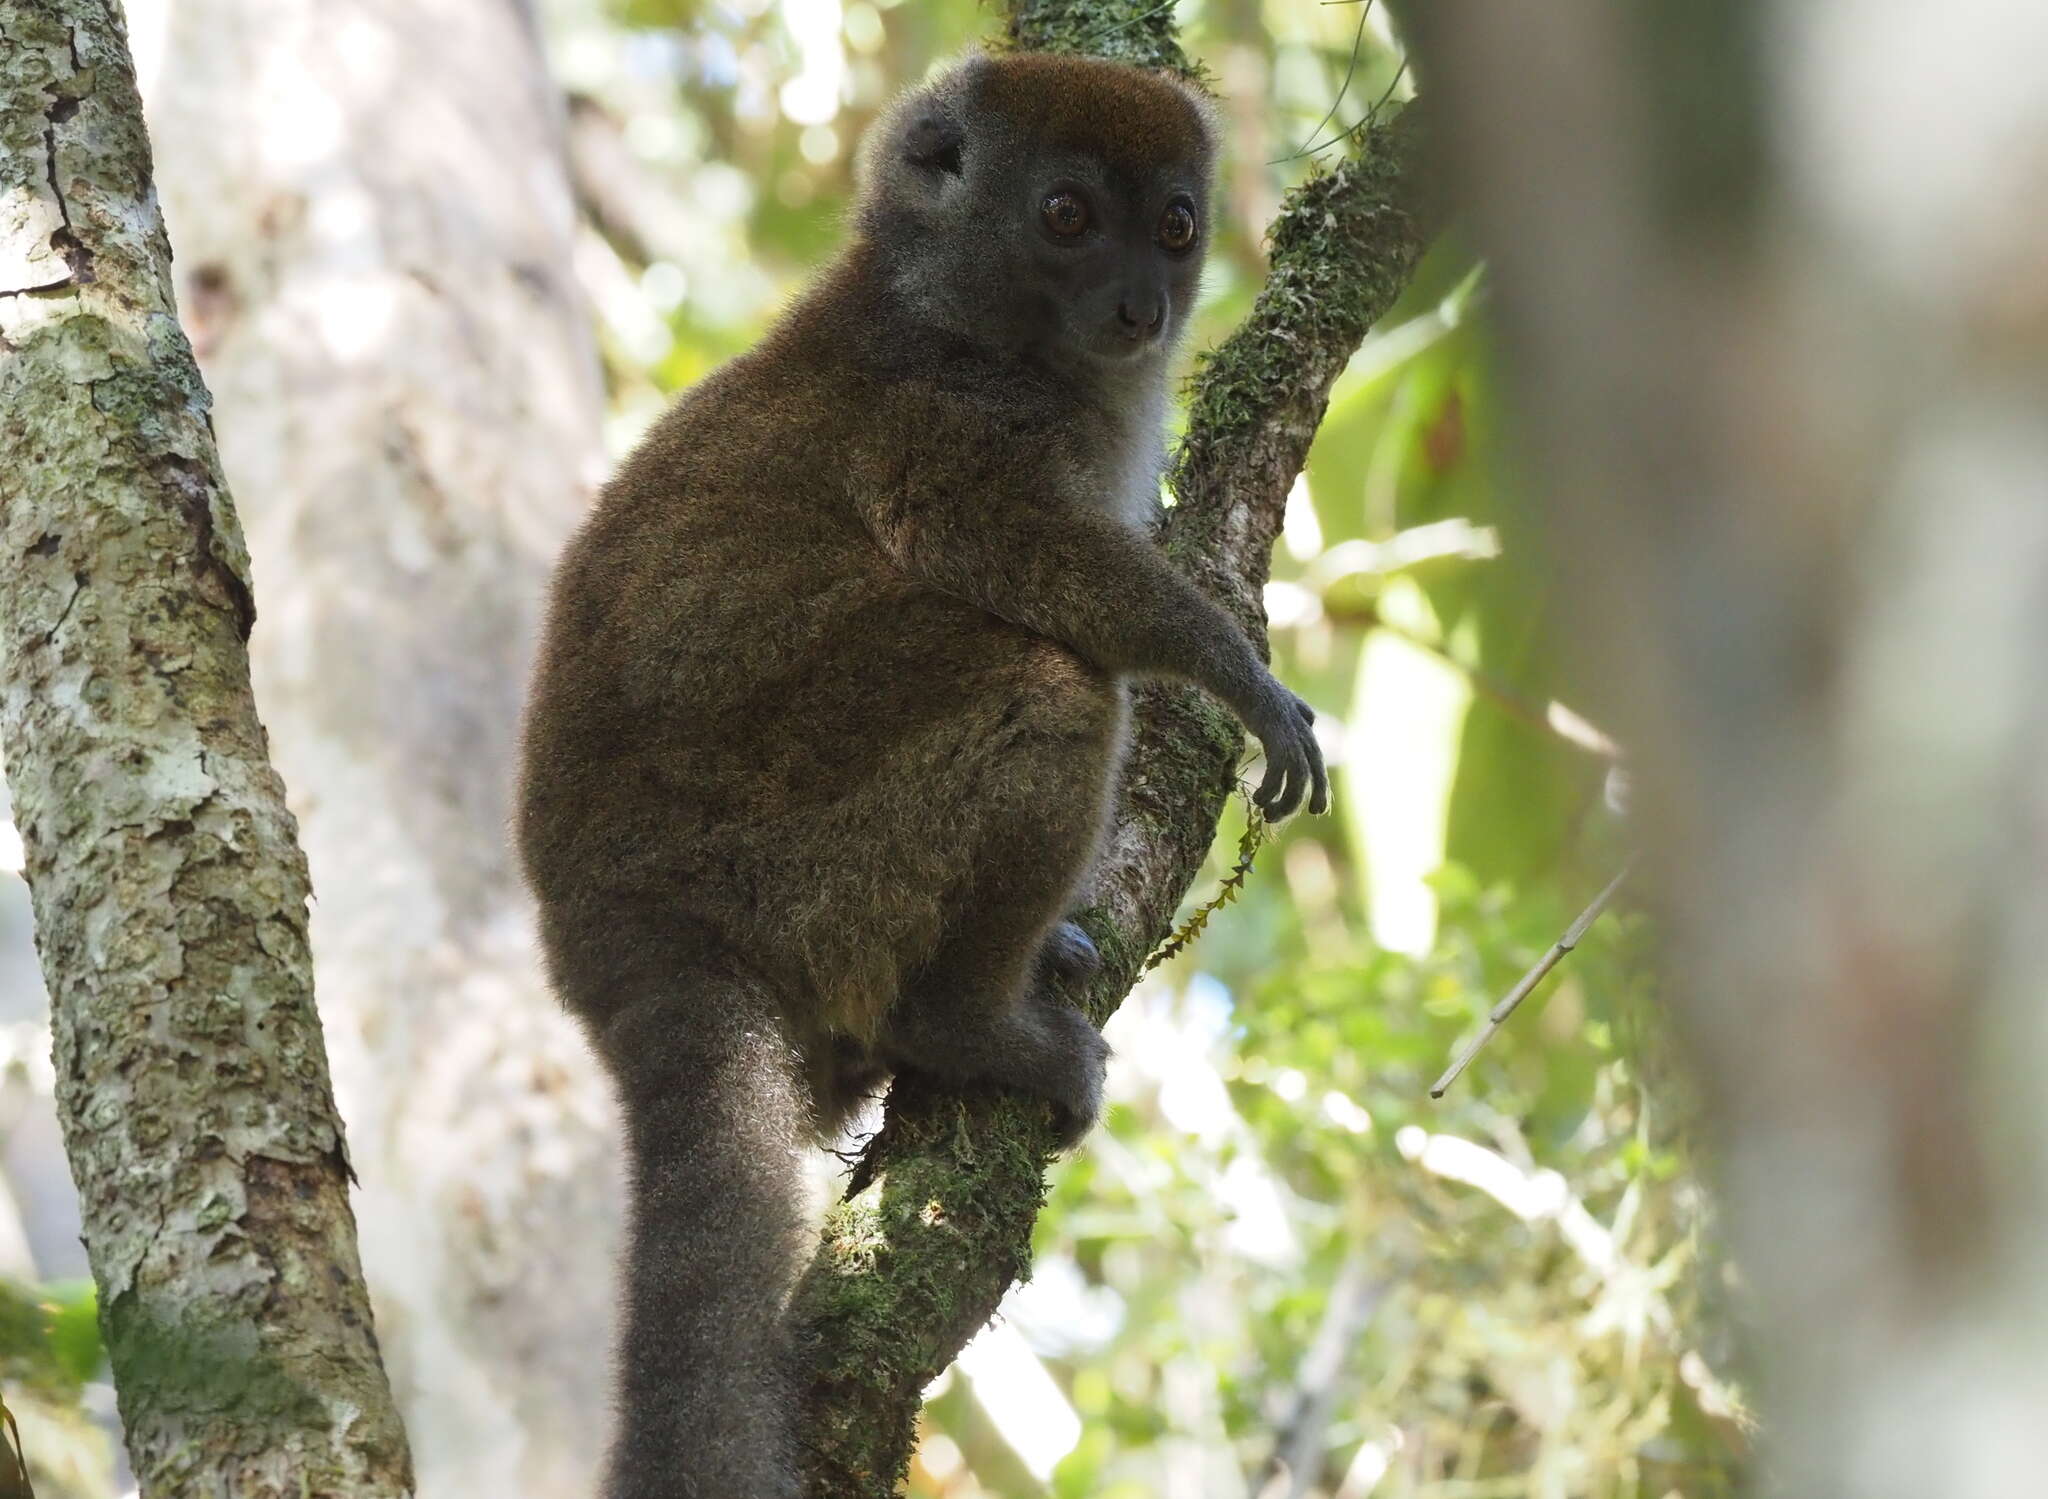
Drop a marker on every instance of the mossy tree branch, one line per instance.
(1139, 32)
(937, 1222)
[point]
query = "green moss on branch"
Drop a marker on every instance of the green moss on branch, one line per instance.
(1140, 33)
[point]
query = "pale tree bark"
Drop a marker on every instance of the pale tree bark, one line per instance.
(374, 231)
(170, 894)
(937, 1224)
(1770, 280)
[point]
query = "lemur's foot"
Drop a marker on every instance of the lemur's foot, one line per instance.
(1069, 953)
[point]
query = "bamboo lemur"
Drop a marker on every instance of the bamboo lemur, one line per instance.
(831, 703)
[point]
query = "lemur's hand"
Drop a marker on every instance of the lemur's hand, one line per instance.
(1294, 761)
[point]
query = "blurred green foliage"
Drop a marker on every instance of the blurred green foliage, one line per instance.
(49, 1336)
(1278, 1247)
(49, 1351)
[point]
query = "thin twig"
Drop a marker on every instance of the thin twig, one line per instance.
(1296, 1460)
(1357, 42)
(1352, 131)
(1372, 115)
(1134, 22)
(1531, 979)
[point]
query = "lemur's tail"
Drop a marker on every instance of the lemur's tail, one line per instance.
(715, 1117)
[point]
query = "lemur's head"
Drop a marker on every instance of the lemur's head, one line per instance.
(1046, 203)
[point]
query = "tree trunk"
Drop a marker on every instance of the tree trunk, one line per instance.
(937, 1223)
(1770, 286)
(170, 895)
(374, 231)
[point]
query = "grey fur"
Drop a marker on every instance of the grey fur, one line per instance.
(831, 704)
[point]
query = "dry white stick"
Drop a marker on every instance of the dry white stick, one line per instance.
(1530, 980)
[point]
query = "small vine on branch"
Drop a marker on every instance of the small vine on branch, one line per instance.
(1256, 831)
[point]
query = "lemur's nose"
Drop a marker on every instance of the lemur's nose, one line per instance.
(1136, 323)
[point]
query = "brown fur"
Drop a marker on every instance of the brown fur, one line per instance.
(831, 702)
(1074, 103)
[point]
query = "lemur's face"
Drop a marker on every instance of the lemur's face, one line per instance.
(1116, 259)
(1053, 205)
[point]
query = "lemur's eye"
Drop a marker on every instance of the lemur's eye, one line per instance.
(1177, 226)
(1064, 212)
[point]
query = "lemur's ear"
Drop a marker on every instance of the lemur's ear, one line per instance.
(932, 143)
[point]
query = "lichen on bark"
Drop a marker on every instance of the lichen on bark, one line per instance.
(937, 1224)
(169, 892)
(1141, 33)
